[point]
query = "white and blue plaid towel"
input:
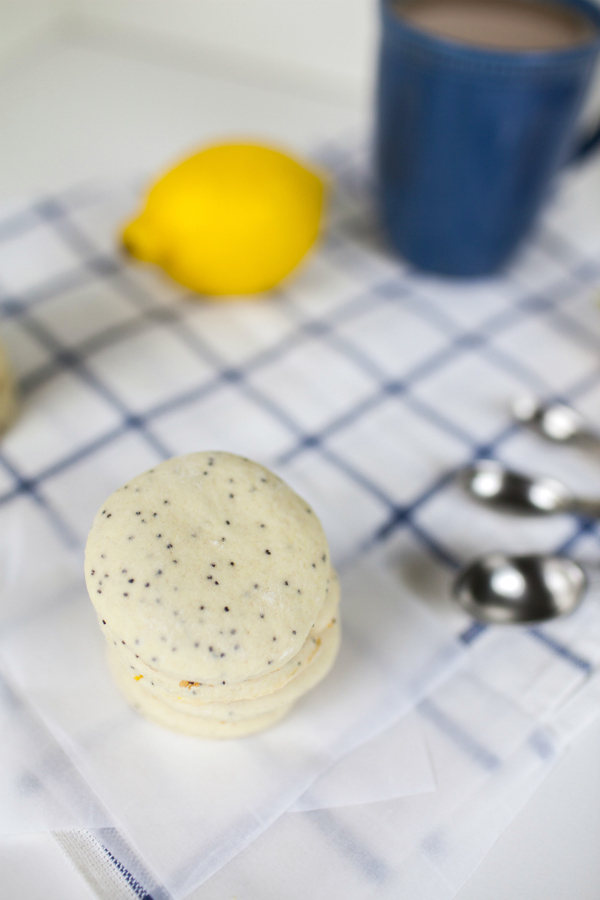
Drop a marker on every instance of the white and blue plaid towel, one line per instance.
(365, 387)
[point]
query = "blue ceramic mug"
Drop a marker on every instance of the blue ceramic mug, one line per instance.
(468, 141)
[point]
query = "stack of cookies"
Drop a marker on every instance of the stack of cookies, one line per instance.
(213, 586)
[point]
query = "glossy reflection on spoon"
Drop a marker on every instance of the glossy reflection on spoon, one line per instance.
(492, 484)
(555, 421)
(499, 589)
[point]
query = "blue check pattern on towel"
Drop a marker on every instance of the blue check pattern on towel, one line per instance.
(363, 385)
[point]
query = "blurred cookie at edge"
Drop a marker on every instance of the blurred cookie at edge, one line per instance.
(8, 392)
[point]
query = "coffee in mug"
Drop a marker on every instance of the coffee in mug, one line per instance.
(501, 24)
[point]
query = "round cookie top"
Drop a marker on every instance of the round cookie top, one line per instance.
(208, 567)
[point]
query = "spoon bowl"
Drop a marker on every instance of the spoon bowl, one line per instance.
(499, 589)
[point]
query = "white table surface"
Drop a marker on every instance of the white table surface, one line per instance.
(73, 110)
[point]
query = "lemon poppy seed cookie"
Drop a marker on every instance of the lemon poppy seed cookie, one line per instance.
(249, 689)
(153, 709)
(209, 573)
(325, 651)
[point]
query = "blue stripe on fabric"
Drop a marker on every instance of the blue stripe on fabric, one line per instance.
(581, 530)
(470, 634)
(133, 883)
(18, 224)
(370, 866)
(65, 463)
(434, 546)
(577, 262)
(13, 305)
(28, 487)
(561, 650)
(461, 738)
(403, 514)
(543, 744)
(69, 359)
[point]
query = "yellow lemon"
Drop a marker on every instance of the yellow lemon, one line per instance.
(232, 219)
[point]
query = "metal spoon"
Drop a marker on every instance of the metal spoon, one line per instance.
(500, 589)
(554, 421)
(492, 484)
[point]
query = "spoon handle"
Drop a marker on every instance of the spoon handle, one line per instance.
(589, 439)
(583, 437)
(588, 508)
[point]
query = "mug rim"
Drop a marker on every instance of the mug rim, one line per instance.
(396, 26)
